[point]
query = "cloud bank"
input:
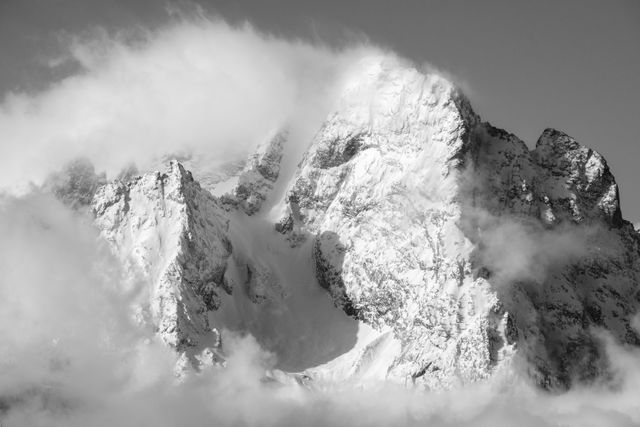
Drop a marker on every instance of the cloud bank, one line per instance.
(70, 354)
(195, 85)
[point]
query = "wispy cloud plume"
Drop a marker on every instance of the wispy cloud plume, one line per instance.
(196, 85)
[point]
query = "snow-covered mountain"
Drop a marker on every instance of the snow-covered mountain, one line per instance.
(413, 242)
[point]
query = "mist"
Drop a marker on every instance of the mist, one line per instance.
(519, 249)
(72, 353)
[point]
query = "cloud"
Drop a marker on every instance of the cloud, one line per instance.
(519, 249)
(72, 356)
(195, 85)
(63, 313)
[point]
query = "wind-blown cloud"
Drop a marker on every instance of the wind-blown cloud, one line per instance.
(197, 85)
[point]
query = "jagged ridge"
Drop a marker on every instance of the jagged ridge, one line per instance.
(408, 196)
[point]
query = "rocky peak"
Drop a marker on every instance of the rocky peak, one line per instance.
(578, 177)
(392, 123)
(402, 187)
(168, 230)
(557, 140)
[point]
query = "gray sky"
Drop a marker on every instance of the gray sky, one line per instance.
(525, 65)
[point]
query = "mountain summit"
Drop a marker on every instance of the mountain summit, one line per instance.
(413, 242)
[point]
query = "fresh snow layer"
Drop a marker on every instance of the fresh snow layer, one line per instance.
(405, 240)
(298, 321)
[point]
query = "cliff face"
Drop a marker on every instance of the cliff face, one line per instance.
(558, 209)
(464, 247)
(260, 173)
(379, 187)
(412, 199)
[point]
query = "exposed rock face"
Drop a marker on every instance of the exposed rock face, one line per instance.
(559, 180)
(261, 171)
(381, 176)
(469, 249)
(588, 273)
(165, 227)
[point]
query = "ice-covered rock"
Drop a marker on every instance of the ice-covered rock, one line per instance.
(170, 231)
(407, 193)
(260, 173)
